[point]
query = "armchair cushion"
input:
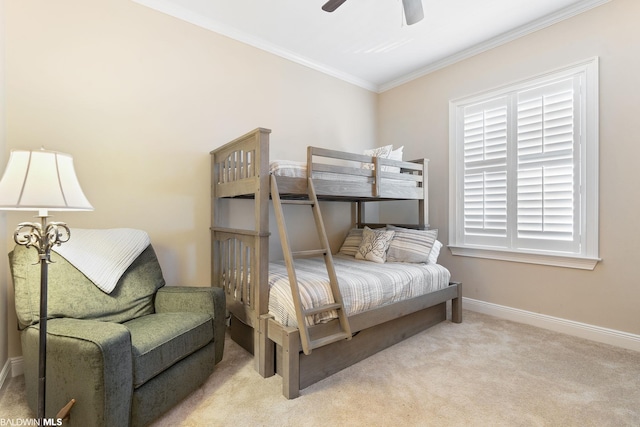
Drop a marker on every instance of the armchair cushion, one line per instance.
(160, 340)
(198, 300)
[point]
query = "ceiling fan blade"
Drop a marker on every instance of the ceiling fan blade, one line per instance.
(332, 5)
(413, 11)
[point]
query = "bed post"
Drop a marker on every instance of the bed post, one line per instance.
(267, 362)
(456, 304)
(423, 204)
(290, 363)
(360, 215)
(260, 293)
(214, 218)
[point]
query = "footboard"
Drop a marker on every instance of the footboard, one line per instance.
(237, 269)
(240, 266)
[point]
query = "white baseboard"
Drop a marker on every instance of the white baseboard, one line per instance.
(582, 330)
(14, 366)
(17, 366)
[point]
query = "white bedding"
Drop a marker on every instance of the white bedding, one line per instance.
(296, 169)
(293, 169)
(364, 285)
(289, 168)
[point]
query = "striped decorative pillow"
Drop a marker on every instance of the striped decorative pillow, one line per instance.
(351, 242)
(411, 245)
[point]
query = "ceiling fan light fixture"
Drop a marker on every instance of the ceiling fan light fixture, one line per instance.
(332, 5)
(413, 11)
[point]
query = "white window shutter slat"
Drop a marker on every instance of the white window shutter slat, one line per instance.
(485, 177)
(545, 178)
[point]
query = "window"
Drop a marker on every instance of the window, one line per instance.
(524, 170)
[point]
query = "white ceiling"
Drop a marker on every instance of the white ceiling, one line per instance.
(366, 42)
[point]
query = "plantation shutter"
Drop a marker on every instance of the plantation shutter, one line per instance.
(524, 170)
(520, 185)
(546, 175)
(485, 136)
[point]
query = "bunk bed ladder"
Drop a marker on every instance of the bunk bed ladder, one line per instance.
(309, 344)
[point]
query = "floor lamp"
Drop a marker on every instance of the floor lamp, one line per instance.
(41, 181)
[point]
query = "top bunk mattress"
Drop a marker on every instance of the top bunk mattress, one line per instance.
(364, 285)
(298, 169)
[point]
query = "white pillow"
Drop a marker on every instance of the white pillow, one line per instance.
(394, 155)
(375, 244)
(435, 252)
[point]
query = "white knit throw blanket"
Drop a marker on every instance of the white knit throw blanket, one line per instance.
(103, 255)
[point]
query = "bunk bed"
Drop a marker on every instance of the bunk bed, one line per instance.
(241, 266)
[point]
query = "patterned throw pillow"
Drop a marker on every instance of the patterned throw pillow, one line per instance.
(411, 245)
(374, 244)
(352, 242)
(383, 152)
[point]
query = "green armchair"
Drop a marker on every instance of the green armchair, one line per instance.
(125, 357)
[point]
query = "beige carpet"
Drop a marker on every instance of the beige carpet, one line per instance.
(483, 372)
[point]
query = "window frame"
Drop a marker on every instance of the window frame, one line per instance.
(587, 177)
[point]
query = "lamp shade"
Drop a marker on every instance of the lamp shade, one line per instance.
(41, 180)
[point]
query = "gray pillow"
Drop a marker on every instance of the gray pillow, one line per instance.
(411, 245)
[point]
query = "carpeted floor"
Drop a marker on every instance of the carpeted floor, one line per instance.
(483, 372)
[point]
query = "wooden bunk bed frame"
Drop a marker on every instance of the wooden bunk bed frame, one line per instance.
(240, 258)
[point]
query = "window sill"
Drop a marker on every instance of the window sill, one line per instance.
(526, 257)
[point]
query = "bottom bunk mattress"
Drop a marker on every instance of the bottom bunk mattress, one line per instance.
(364, 285)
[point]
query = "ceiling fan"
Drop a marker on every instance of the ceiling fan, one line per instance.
(412, 9)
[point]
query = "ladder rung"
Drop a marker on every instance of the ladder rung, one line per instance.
(309, 253)
(297, 202)
(321, 309)
(329, 339)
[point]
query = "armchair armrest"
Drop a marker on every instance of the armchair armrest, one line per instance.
(98, 376)
(199, 300)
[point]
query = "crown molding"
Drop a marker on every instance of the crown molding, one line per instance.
(172, 9)
(507, 37)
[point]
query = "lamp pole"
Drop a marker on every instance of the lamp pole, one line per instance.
(43, 237)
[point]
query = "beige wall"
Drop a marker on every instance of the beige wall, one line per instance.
(140, 98)
(417, 114)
